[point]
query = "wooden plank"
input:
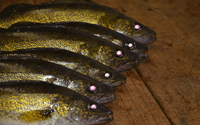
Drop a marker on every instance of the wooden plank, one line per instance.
(5, 3)
(134, 104)
(172, 71)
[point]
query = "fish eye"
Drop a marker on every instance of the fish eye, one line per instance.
(137, 27)
(119, 53)
(107, 75)
(93, 89)
(130, 45)
(93, 107)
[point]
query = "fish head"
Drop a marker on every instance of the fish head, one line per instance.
(129, 43)
(135, 30)
(99, 92)
(117, 57)
(106, 75)
(94, 90)
(85, 111)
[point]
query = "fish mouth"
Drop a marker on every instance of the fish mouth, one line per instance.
(119, 79)
(102, 120)
(126, 66)
(118, 83)
(145, 39)
(105, 118)
(106, 99)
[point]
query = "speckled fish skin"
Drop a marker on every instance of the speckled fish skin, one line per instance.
(30, 102)
(72, 40)
(38, 70)
(103, 32)
(74, 61)
(77, 12)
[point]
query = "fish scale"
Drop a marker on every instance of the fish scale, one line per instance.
(74, 61)
(77, 12)
(104, 33)
(31, 102)
(72, 40)
(37, 70)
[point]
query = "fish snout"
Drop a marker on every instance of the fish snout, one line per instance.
(118, 83)
(106, 98)
(128, 65)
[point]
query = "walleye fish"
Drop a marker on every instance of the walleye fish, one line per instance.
(103, 32)
(71, 60)
(77, 12)
(38, 70)
(32, 102)
(91, 46)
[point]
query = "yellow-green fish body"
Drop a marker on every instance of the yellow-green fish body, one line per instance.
(77, 12)
(100, 31)
(38, 70)
(88, 45)
(30, 102)
(74, 61)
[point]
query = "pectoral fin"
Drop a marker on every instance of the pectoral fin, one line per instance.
(36, 115)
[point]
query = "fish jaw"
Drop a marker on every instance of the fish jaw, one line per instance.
(145, 39)
(118, 83)
(126, 66)
(106, 98)
(101, 119)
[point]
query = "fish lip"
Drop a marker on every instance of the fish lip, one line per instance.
(151, 38)
(118, 83)
(145, 38)
(101, 120)
(119, 80)
(106, 98)
(126, 66)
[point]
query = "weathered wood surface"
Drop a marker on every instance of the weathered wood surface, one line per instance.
(167, 91)
(172, 72)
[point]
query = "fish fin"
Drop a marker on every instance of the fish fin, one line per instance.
(71, 1)
(36, 115)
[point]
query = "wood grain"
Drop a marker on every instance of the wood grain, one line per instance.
(166, 88)
(172, 72)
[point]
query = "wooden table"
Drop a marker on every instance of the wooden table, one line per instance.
(165, 89)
